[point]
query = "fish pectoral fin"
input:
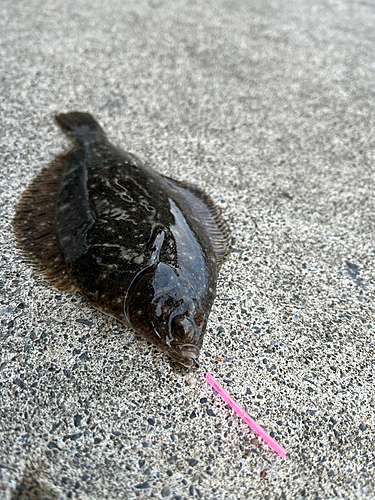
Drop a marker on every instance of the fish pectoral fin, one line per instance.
(208, 214)
(34, 226)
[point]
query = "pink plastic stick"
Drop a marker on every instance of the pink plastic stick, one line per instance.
(245, 417)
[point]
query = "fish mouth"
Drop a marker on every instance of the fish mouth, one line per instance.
(189, 351)
(186, 354)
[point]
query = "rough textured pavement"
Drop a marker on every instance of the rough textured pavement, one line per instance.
(270, 107)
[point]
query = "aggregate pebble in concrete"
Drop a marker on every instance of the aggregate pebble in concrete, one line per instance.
(269, 106)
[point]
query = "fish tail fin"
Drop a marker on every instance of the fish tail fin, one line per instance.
(79, 126)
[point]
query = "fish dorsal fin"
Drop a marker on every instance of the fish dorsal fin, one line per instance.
(209, 215)
(34, 226)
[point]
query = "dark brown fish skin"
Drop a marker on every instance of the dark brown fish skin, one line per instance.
(131, 243)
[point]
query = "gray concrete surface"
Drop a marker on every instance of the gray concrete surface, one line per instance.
(269, 106)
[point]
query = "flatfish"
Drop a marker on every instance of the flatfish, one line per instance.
(137, 245)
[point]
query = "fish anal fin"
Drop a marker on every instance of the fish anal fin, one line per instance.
(209, 215)
(34, 226)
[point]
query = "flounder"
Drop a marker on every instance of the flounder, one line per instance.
(137, 245)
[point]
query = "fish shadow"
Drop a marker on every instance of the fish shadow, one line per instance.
(31, 487)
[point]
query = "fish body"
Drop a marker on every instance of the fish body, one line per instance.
(137, 245)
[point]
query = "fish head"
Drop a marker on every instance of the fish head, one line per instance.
(161, 304)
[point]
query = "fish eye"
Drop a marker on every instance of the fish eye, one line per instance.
(182, 327)
(179, 331)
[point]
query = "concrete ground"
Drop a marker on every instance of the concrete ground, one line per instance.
(270, 107)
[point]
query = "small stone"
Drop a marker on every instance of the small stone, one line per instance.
(192, 381)
(165, 492)
(51, 445)
(73, 437)
(192, 462)
(77, 420)
(143, 486)
(362, 427)
(151, 421)
(264, 472)
(19, 382)
(85, 477)
(84, 322)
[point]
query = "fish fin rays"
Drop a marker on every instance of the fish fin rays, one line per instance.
(209, 215)
(34, 230)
